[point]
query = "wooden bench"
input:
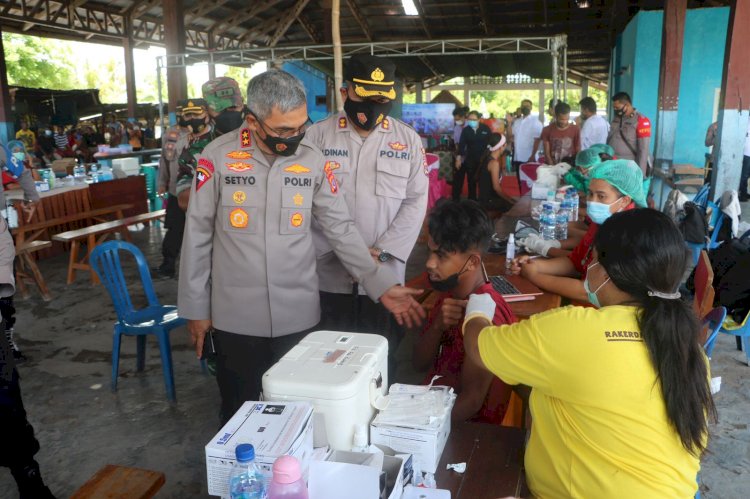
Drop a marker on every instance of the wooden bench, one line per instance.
(94, 235)
(121, 482)
(26, 264)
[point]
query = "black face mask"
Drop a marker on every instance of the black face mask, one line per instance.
(183, 122)
(525, 111)
(196, 125)
(449, 283)
(283, 146)
(620, 112)
(367, 114)
(227, 121)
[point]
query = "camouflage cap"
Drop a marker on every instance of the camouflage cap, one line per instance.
(221, 93)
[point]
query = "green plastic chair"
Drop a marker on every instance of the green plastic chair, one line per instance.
(151, 173)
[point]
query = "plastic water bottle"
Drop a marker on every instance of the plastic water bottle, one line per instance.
(287, 482)
(561, 224)
(94, 174)
(510, 253)
(245, 482)
(574, 202)
(547, 222)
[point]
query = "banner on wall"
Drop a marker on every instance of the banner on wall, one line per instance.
(429, 119)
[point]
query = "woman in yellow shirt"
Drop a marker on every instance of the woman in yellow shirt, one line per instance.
(620, 393)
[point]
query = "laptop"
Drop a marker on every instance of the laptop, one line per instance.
(514, 288)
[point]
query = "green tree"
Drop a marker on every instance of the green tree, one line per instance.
(39, 62)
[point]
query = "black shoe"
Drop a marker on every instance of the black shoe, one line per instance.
(30, 483)
(18, 355)
(744, 197)
(163, 272)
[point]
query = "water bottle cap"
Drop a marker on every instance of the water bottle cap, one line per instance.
(286, 470)
(244, 452)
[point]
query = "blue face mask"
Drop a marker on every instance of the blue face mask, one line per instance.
(473, 124)
(599, 212)
(19, 156)
(591, 295)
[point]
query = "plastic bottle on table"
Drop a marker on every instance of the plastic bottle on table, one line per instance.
(574, 202)
(510, 252)
(287, 482)
(547, 222)
(561, 224)
(245, 482)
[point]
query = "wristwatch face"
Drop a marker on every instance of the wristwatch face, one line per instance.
(384, 256)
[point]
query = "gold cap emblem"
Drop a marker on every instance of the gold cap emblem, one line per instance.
(377, 75)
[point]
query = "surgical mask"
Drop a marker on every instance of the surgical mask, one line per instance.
(19, 156)
(459, 122)
(48, 133)
(449, 283)
(283, 146)
(591, 295)
(367, 114)
(196, 125)
(473, 124)
(227, 121)
(599, 212)
(107, 136)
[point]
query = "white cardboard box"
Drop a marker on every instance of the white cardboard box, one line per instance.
(274, 429)
(340, 473)
(425, 444)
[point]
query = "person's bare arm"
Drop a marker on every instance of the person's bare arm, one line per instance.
(561, 281)
(475, 383)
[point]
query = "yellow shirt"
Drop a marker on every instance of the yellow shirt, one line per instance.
(600, 427)
(28, 139)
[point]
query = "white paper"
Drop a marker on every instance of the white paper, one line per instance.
(329, 480)
(412, 492)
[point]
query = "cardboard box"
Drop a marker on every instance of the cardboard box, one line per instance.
(425, 443)
(274, 429)
(339, 476)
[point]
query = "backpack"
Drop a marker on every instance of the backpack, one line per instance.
(693, 224)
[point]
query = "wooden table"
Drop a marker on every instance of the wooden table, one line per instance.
(494, 462)
(120, 482)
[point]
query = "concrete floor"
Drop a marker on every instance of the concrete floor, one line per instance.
(82, 425)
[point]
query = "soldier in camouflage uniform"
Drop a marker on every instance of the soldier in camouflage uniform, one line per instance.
(202, 132)
(225, 104)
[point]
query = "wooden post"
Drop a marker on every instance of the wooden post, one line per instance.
(174, 38)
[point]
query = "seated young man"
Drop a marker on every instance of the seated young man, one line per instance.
(459, 233)
(614, 186)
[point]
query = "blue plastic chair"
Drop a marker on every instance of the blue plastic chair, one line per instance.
(714, 320)
(155, 319)
(717, 220)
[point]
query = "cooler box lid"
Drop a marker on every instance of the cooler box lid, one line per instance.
(329, 365)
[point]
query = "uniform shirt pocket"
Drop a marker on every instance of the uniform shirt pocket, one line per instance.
(392, 178)
(294, 221)
(240, 219)
(295, 197)
(235, 195)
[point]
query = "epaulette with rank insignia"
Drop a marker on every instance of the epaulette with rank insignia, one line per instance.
(245, 140)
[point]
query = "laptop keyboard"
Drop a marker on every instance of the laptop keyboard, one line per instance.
(503, 286)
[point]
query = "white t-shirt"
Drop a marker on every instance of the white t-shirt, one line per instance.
(594, 131)
(529, 129)
(746, 152)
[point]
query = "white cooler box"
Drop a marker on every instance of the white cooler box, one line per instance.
(341, 374)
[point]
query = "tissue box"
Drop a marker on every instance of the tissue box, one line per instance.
(274, 429)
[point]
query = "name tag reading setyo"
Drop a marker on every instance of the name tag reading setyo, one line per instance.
(239, 180)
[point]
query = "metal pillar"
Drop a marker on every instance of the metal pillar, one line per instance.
(542, 102)
(211, 48)
(584, 88)
(467, 95)
(7, 127)
(418, 90)
(734, 102)
(673, 30)
(174, 38)
(130, 86)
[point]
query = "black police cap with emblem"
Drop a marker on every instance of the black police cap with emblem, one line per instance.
(371, 76)
(192, 106)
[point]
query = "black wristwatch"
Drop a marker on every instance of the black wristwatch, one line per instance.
(384, 256)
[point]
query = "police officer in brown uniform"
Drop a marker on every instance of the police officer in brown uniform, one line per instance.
(247, 268)
(380, 165)
(175, 140)
(630, 133)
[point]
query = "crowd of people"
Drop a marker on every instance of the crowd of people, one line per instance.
(46, 143)
(276, 227)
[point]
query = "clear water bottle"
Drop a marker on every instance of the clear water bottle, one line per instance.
(547, 222)
(561, 223)
(574, 202)
(287, 482)
(245, 482)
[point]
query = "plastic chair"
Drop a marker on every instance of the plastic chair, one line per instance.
(713, 322)
(741, 331)
(151, 173)
(155, 319)
(703, 300)
(714, 225)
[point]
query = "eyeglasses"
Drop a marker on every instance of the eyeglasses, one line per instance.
(283, 133)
